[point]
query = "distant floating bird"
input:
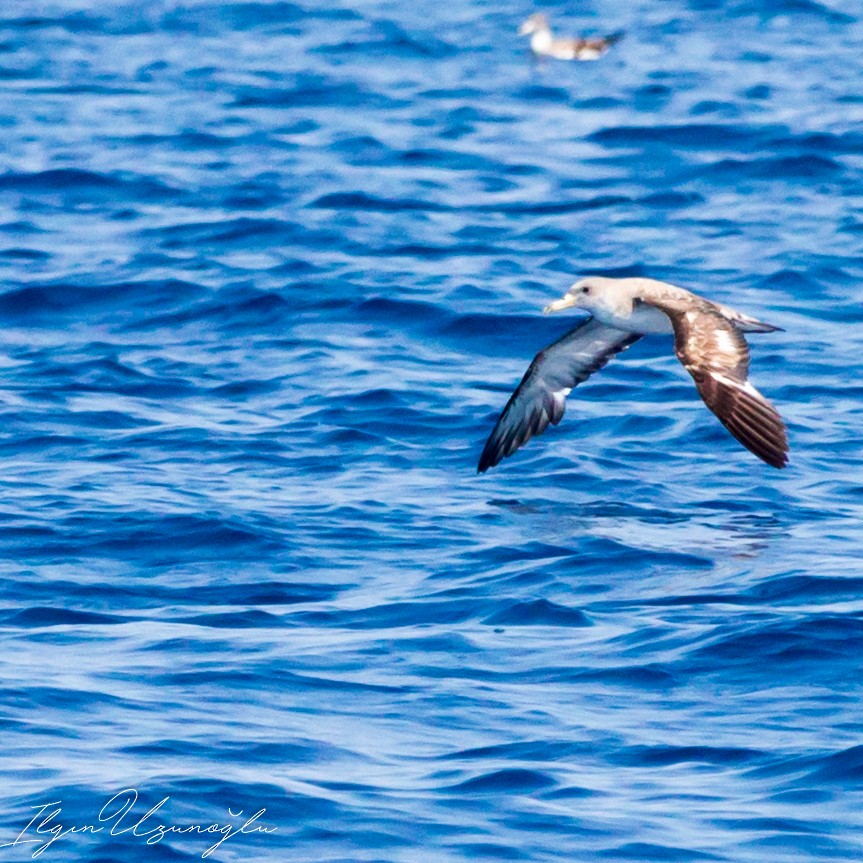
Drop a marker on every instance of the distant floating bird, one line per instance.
(544, 44)
(708, 341)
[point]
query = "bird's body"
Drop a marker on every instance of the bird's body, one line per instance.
(543, 43)
(708, 341)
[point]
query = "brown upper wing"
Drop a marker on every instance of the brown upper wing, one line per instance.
(715, 353)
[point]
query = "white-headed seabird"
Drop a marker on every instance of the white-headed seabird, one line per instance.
(708, 341)
(544, 44)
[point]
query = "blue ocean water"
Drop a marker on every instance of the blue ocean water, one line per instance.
(270, 270)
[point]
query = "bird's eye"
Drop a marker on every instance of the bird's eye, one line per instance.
(586, 289)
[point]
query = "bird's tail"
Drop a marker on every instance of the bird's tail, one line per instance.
(615, 37)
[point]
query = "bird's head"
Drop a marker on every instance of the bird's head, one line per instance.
(584, 294)
(535, 23)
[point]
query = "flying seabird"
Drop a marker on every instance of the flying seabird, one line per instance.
(708, 341)
(544, 44)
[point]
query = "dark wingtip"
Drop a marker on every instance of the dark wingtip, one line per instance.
(486, 459)
(491, 455)
(747, 415)
(777, 461)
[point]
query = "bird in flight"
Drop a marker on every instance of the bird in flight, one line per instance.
(544, 44)
(708, 341)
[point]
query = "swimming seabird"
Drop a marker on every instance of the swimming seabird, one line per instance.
(708, 341)
(544, 44)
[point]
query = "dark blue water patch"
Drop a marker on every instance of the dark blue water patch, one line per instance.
(452, 160)
(44, 443)
(791, 282)
(804, 588)
(621, 509)
(150, 539)
(768, 9)
(664, 756)
(401, 313)
(381, 398)
(313, 91)
(391, 40)
(19, 254)
(594, 550)
(285, 679)
(773, 825)
(111, 375)
(814, 846)
(401, 429)
(262, 193)
(462, 96)
(251, 15)
(48, 616)
(60, 698)
(426, 252)
(643, 851)
(465, 121)
(190, 796)
(533, 551)
(245, 232)
(21, 227)
(717, 108)
(448, 643)
(651, 97)
(489, 851)
(507, 781)
(7, 74)
(75, 22)
(105, 596)
(351, 437)
(362, 201)
(648, 677)
(819, 143)
(75, 185)
(256, 15)
(396, 614)
(491, 334)
(524, 750)
(42, 303)
(670, 200)
(90, 90)
(537, 612)
(244, 390)
(363, 150)
(572, 792)
(810, 643)
(543, 93)
(237, 308)
(792, 589)
(802, 796)
(598, 103)
(594, 202)
(844, 767)
(703, 136)
(249, 619)
(800, 169)
(196, 139)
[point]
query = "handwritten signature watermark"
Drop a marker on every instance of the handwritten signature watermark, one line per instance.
(115, 818)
